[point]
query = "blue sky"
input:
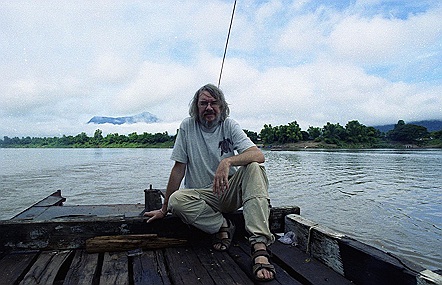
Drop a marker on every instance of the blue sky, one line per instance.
(63, 62)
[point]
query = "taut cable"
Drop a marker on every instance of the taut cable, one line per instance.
(227, 42)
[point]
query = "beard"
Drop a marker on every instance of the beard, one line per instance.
(211, 124)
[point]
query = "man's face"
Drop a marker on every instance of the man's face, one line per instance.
(208, 110)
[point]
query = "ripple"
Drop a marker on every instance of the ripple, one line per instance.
(389, 199)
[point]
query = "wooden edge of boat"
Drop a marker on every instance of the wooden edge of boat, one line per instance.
(49, 224)
(321, 256)
(356, 261)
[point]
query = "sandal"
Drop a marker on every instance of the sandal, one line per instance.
(258, 266)
(224, 242)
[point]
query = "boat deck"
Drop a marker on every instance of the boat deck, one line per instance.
(49, 243)
(194, 263)
(46, 244)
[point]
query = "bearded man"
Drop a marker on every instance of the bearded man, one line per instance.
(222, 172)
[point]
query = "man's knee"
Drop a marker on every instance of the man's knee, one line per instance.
(256, 183)
(254, 165)
(256, 170)
(183, 200)
(176, 201)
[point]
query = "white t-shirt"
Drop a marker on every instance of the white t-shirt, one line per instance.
(202, 150)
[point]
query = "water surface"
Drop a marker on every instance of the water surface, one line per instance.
(387, 198)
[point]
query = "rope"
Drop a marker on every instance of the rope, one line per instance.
(309, 239)
(227, 42)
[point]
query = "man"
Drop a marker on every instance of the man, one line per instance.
(208, 148)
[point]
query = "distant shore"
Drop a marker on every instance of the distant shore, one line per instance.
(322, 145)
(301, 145)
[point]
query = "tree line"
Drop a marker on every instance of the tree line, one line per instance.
(97, 140)
(353, 134)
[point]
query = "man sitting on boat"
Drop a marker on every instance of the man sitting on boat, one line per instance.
(204, 156)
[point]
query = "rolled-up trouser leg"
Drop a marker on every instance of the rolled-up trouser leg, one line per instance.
(252, 182)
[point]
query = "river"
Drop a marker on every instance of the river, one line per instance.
(390, 199)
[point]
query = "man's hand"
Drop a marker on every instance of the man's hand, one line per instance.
(221, 181)
(154, 215)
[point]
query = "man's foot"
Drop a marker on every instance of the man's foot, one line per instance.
(223, 238)
(262, 269)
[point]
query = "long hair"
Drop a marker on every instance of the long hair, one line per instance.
(216, 93)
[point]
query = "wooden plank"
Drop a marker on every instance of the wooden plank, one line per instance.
(30, 213)
(149, 268)
(115, 269)
(83, 269)
(356, 261)
(185, 267)
(367, 265)
(320, 242)
(46, 267)
(14, 266)
(221, 267)
(240, 253)
(305, 268)
(428, 277)
(91, 211)
(130, 242)
(72, 232)
(55, 199)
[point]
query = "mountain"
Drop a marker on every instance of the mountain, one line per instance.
(431, 125)
(145, 117)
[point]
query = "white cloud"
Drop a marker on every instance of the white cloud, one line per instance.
(168, 85)
(268, 10)
(63, 62)
(385, 41)
(111, 68)
(304, 34)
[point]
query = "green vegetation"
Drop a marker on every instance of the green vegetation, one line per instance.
(352, 135)
(83, 141)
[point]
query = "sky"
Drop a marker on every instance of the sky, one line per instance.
(309, 61)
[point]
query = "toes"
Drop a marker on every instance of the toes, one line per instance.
(265, 274)
(219, 246)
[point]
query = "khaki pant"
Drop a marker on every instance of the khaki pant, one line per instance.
(248, 188)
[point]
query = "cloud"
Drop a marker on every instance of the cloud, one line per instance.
(304, 34)
(326, 91)
(62, 63)
(381, 41)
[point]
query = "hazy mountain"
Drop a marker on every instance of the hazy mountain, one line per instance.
(431, 125)
(145, 117)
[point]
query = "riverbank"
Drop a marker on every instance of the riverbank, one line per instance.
(322, 145)
(168, 144)
(288, 146)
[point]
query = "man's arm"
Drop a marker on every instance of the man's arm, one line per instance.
(175, 178)
(252, 154)
(221, 181)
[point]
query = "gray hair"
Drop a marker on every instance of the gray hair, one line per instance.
(216, 93)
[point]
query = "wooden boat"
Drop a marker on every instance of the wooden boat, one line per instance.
(49, 243)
